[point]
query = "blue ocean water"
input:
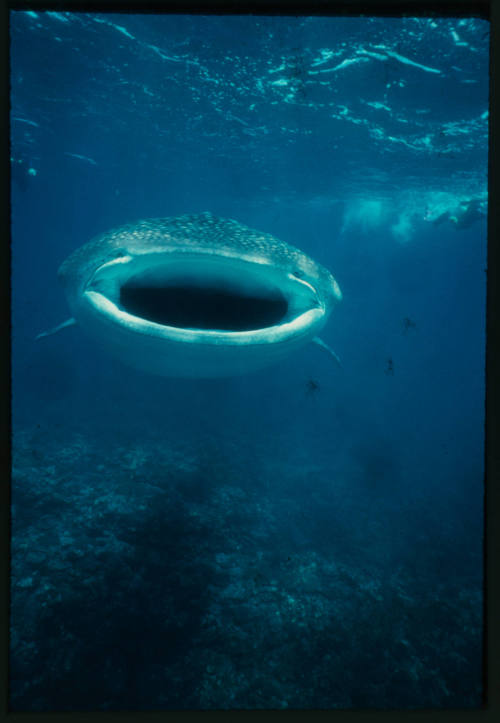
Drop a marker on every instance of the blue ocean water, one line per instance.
(301, 537)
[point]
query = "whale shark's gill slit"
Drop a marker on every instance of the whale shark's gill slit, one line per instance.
(190, 306)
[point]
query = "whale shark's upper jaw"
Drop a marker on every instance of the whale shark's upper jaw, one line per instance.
(207, 297)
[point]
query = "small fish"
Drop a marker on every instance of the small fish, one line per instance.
(408, 324)
(312, 386)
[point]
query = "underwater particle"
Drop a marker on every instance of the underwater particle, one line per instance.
(389, 369)
(32, 171)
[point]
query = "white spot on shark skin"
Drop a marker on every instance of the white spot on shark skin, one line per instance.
(196, 296)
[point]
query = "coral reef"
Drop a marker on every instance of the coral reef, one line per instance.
(157, 576)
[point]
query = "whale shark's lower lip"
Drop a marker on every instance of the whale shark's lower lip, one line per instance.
(189, 311)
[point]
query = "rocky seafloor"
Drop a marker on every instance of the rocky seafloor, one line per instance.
(167, 575)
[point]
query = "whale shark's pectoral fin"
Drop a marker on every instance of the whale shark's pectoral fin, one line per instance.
(68, 322)
(324, 346)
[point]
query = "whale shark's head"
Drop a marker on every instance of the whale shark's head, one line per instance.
(197, 295)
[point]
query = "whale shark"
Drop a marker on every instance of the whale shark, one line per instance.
(196, 296)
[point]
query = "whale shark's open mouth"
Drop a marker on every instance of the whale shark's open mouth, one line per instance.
(200, 292)
(197, 295)
(202, 303)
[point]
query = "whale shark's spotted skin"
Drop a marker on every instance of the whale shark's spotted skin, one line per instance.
(203, 231)
(129, 287)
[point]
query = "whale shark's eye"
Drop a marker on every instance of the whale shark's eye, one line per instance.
(298, 273)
